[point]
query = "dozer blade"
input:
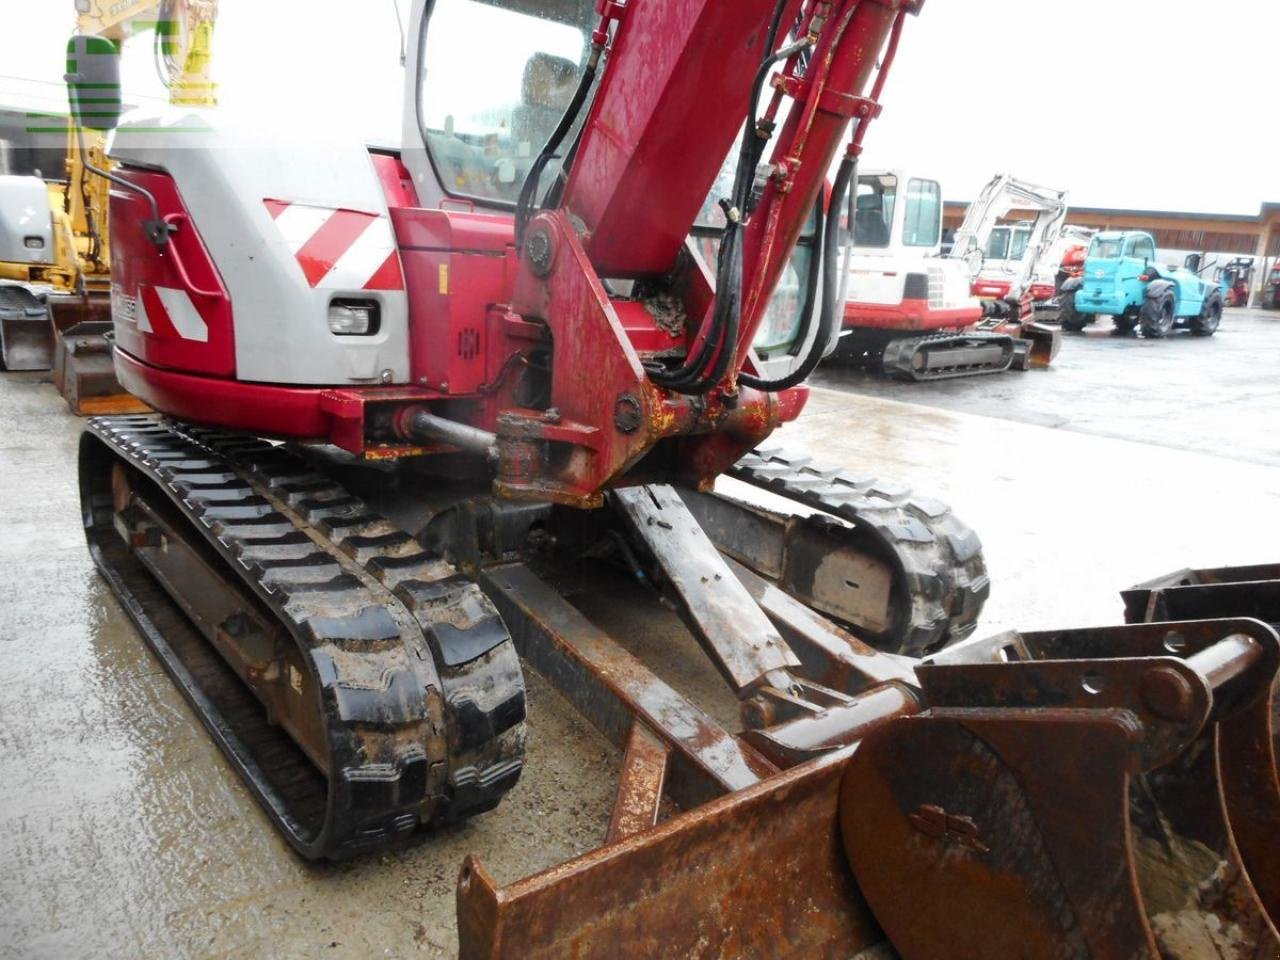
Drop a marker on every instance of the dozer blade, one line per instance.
(84, 373)
(1060, 797)
(26, 333)
(1045, 343)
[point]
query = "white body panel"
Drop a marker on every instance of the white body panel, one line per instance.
(224, 174)
(877, 275)
(24, 213)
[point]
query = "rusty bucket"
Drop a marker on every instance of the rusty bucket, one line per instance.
(1105, 792)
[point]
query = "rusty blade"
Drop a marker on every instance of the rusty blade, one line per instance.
(611, 687)
(828, 654)
(644, 768)
(755, 875)
(719, 611)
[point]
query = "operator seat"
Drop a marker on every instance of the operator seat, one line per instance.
(548, 86)
(869, 226)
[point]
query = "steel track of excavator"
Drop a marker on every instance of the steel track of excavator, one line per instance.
(393, 695)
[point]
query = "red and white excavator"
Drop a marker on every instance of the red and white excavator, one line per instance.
(1011, 251)
(413, 404)
(920, 314)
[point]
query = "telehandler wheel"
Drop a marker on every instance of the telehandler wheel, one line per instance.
(1157, 316)
(1068, 317)
(1210, 316)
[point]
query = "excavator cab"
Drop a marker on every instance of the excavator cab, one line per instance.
(483, 120)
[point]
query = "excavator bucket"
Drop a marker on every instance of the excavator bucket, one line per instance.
(84, 374)
(1092, 793)
(1045, 343)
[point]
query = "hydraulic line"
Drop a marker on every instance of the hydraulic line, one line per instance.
(844, 176)
(529, 189)
(702, 372)
(827, 314)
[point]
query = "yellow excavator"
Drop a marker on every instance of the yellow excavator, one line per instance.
(55, 263)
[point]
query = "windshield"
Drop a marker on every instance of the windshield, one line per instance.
(1019, 246)
(487, 109)
(998, 244)
(924, 213)
(873, 210)
(1106, 248)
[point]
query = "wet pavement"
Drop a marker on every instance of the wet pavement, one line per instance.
(124, 834)
(1218, 395)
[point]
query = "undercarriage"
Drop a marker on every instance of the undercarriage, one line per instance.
(367, 682)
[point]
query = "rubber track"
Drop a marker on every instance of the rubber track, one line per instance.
(896, 361)
(422, 692)
(942, 577)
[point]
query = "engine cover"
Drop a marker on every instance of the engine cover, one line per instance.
(290, 225)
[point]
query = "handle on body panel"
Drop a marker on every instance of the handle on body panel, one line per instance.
(174, 221)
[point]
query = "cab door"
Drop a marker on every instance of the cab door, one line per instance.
(1138, 253)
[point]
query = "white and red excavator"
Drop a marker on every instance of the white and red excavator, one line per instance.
(918, 313)
(413, 405)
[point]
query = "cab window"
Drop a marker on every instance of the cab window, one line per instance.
(1019, 246)
(998, 244)
(485, 118)
(1105, 248)
(1143, 249)
(873, 211)
(923, 221)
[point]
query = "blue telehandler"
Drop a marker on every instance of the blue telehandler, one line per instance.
(1122, 278)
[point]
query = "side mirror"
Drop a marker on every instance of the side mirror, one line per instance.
(972, 256)
(1192, 262)
(93, 82)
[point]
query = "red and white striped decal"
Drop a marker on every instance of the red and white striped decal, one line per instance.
(349, 249)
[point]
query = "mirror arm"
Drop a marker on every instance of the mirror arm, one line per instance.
(156, 229)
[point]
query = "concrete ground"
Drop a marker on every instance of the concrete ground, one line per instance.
(124, 834)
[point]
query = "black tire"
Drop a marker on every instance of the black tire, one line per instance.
(1157, 315)
(1210, 316)
(1068, 317)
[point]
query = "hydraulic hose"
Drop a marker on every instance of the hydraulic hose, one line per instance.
(830, 268)
(703, 371)
(155, 229)
(811, 278)
(529, 189)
